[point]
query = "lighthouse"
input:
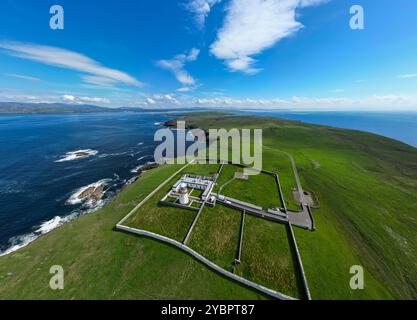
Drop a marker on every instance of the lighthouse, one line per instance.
(183, 194)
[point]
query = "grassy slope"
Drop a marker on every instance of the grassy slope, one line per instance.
(216, 235)
(367, 187)
(100, 263)
(267, 258)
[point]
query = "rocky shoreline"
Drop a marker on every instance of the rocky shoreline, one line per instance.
(93, 193)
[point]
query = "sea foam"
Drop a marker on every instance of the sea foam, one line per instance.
(74, 155)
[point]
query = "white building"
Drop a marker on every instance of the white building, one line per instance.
(205, 184)
(184, 199)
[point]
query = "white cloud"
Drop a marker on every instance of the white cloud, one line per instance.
(387, 102)
(68, 98)
(21, 76)
(95, 100)
(381, 102)
(11, 95)
(158, 100)
(79, 100)
(67, 59)
(99, 81)
(192, 55)
(201, 9)
(177, 66)
(375, 102)
(150, 101)
(184, 89)
(252, 26)
(407, 76)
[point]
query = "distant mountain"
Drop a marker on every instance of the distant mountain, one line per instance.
(28, 108)
(59, 108)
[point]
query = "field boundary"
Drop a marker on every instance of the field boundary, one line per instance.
(163, 184)
(183, 246)
(208, 263)
(293, 242)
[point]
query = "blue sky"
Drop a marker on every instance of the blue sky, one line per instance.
(270, 54)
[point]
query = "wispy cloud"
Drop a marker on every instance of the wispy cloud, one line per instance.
(22, 76)
(37, 97)
(184, 89)
(67, 59)
(79, 100)
(374, 102)
(159, 100)
(381, 102)
(252, 26)
(99, 81)
(177, 64)
(201, 9)
(407, 76)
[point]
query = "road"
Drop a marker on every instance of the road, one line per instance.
(304, 218)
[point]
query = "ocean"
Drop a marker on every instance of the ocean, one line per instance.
(41, 175)
(401, 126)
(47, 161)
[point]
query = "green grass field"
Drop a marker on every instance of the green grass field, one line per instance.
(366, 185)
(216, 235)
(101, 263)
(267, 258)
(249, 190)
(367, 188)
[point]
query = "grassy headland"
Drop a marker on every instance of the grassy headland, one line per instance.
(366, 185)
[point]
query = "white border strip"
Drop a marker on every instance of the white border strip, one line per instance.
(208, 263)
(253, 285)
(153, 193)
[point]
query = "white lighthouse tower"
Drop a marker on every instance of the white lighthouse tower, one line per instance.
(184, 194)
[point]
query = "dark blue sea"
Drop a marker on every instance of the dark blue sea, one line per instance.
(400, 126)
(40, 178)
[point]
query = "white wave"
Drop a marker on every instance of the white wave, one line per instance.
(18, 242)
(52, 224)
(21, 241)
(10, 187)
(140, 143)
(116, 154)
(131, 180)
(137, 169)
(75, 197)
(158, 123)
(73, 155)
(144, 157)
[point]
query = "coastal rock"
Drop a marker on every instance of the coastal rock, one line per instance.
(149, 166)
(81, 154)
(94, 193)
